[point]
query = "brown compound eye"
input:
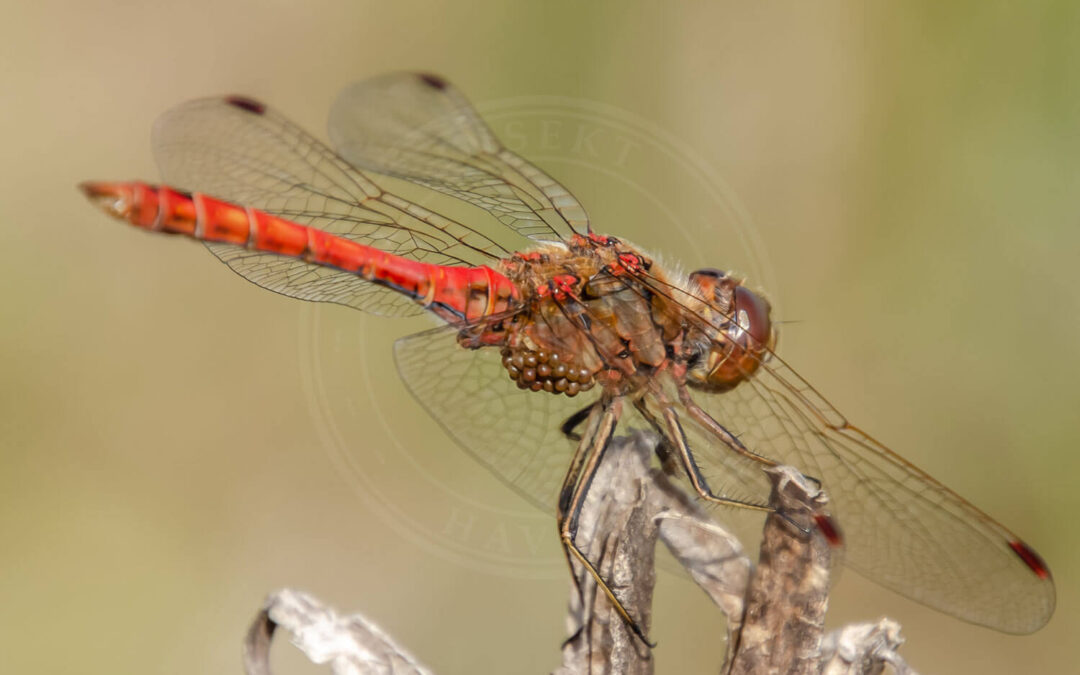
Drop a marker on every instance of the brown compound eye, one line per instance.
(751, 314)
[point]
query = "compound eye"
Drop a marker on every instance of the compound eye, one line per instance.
(751, 315)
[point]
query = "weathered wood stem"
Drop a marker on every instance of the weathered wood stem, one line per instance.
(775, 611)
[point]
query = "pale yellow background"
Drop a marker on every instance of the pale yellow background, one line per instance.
(914, 173)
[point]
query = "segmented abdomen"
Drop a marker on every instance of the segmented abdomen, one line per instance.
(453, 293)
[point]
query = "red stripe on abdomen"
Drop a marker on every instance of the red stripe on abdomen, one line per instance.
(454, 293)
(218, 220)
(277, 235)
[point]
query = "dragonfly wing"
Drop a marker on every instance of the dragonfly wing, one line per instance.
(513, 432)
(297, 279)
(244, 152)
(902, 528)
(421, 128)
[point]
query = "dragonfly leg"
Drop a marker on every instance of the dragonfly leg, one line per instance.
(729, 439)
(592, 416)
(665, 452)
(569, 427)
(597, 445)
(575, 490)
(726, 437)
(585, 443)
(678, 437)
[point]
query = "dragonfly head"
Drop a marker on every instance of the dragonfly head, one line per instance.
(737, 336)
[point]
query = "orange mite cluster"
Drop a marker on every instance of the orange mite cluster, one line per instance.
(538, 370)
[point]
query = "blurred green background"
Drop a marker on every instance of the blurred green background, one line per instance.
(912, 170)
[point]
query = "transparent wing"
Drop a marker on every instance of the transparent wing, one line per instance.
(420, 128)
(902, 528)
(741, 478)
(241, 151)
(514, 433)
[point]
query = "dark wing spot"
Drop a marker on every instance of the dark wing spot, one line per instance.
(433, 81)
(1030, 558)
(829, 529)
(246, 104)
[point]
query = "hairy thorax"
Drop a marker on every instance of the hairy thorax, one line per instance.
(596, 310)
(585, 318)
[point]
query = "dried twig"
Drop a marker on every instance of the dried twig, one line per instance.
(782, 604)
(864, 649)
(620, 524)
(352, 645)
(789, 591)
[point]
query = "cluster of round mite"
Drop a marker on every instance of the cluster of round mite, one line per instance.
(547, 371)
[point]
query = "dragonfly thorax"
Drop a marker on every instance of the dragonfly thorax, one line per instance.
(587, 316)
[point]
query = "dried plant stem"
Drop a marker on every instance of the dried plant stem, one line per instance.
(775, 611)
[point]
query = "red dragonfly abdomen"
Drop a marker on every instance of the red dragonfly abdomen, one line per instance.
(453, 293)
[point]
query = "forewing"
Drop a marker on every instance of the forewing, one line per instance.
(420, 128)
(244, 152)
(901, 527)
(513, 432)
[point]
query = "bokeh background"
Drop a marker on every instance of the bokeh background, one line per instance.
(912, 170)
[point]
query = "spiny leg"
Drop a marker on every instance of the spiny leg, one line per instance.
(570, 509)
(664, 450)
(585, 443)
(569, 427)
(726, 437)
(729, 439)
(678, 437)
(592, 416)
(609, 418)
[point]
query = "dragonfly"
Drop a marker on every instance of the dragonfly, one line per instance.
(553, 335)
